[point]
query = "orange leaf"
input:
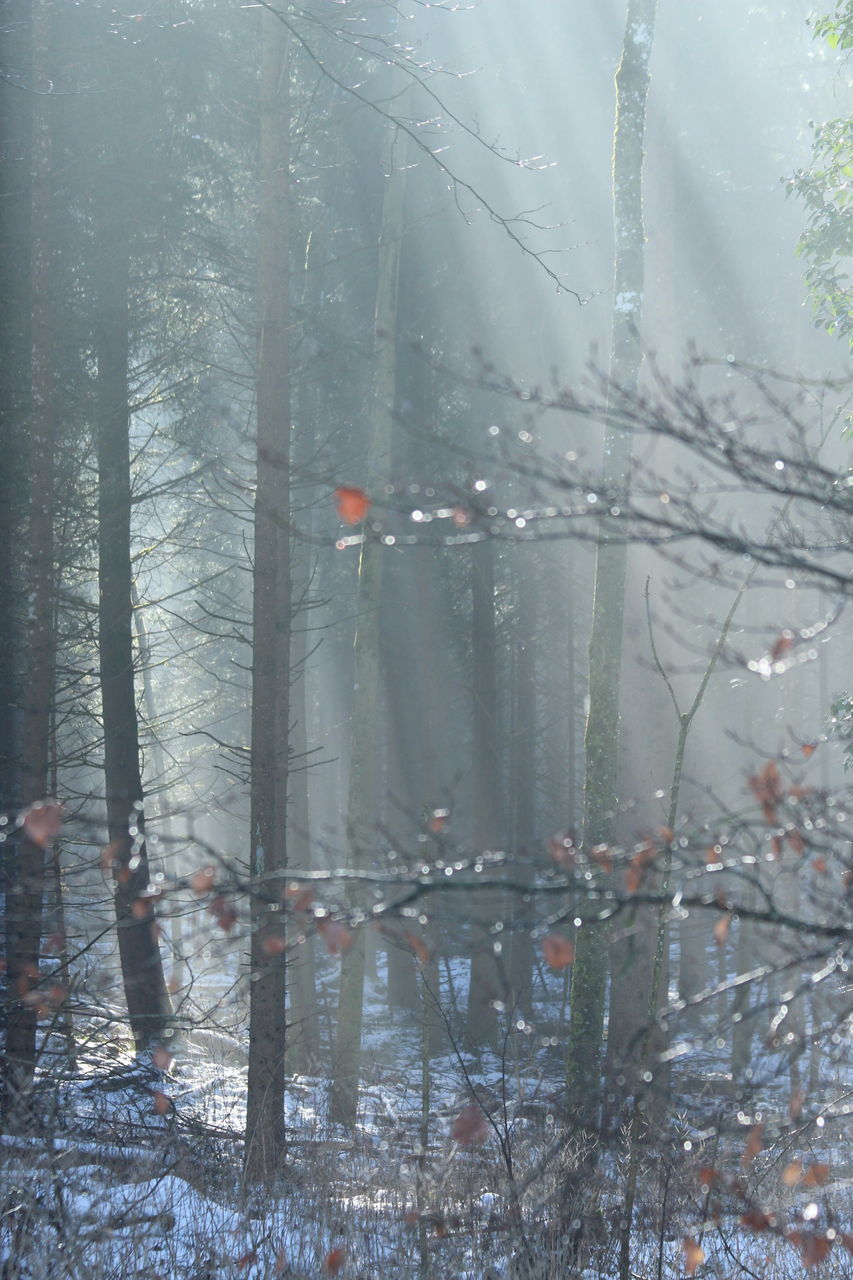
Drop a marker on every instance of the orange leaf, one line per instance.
(299, 898)
(754, 1144)
(767, 788)
(353, 504)
(161, 1103)
(274, 945)
(335, 1259)
(602, 857)
(202, 881)
(438, 820)
(644, 854)
(247, 1259)
(792, 1173)
(694, 1255)
(562, 850)
(721, 930)
(819, 865)
(161, 1058)
(815, 1249)
(470, 1128)
(708, 1176)
(559, 952)
(816, 1175)
(808, 749)
(224, 912)
(796, 841)
(335, 935)
(633, 878)
(419, 947)
(756, 1219)
(43, 821)
(782, 645)
(111, 855)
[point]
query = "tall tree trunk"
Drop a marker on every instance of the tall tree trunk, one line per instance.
(486, 984)
(178, 977)
(303, 1036)
(145, 991)
(589, 977)
(524, 741)
(16, 284)
(271, 620)
(27, 881)
(361, 821)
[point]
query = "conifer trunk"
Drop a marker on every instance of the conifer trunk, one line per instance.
(524, 740)
(271, 622)
(361, 817)
(25, 899)
(486, 985)
(148, 1004)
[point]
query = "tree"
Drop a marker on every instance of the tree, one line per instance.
(366, 681)
(827, 242)
(25, 902)
(148, 1003)
(602, 729)
(271, 618)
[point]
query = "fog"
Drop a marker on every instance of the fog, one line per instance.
(438, 649)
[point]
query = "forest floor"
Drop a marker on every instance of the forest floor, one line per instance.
(137, 1172)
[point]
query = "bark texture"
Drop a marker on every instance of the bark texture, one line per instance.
(25, 898)
(589, 977)
(271, 622)
(361, 815)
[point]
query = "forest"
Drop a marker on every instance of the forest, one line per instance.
(426, 707)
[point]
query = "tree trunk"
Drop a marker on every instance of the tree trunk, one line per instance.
(524, 739)
(303, 1033)
(271, 621)
(361, 819)
(145, 991)
(179, 977)
(589, 977)
(487, 984)
(16, 285)
(27, 880)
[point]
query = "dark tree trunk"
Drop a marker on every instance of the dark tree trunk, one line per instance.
(27, 879)
(16, 137)
(271, 623)
(145, 991)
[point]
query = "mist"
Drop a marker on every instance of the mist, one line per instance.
(425, 701)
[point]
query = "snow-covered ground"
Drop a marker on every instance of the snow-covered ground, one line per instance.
(138, 1171)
